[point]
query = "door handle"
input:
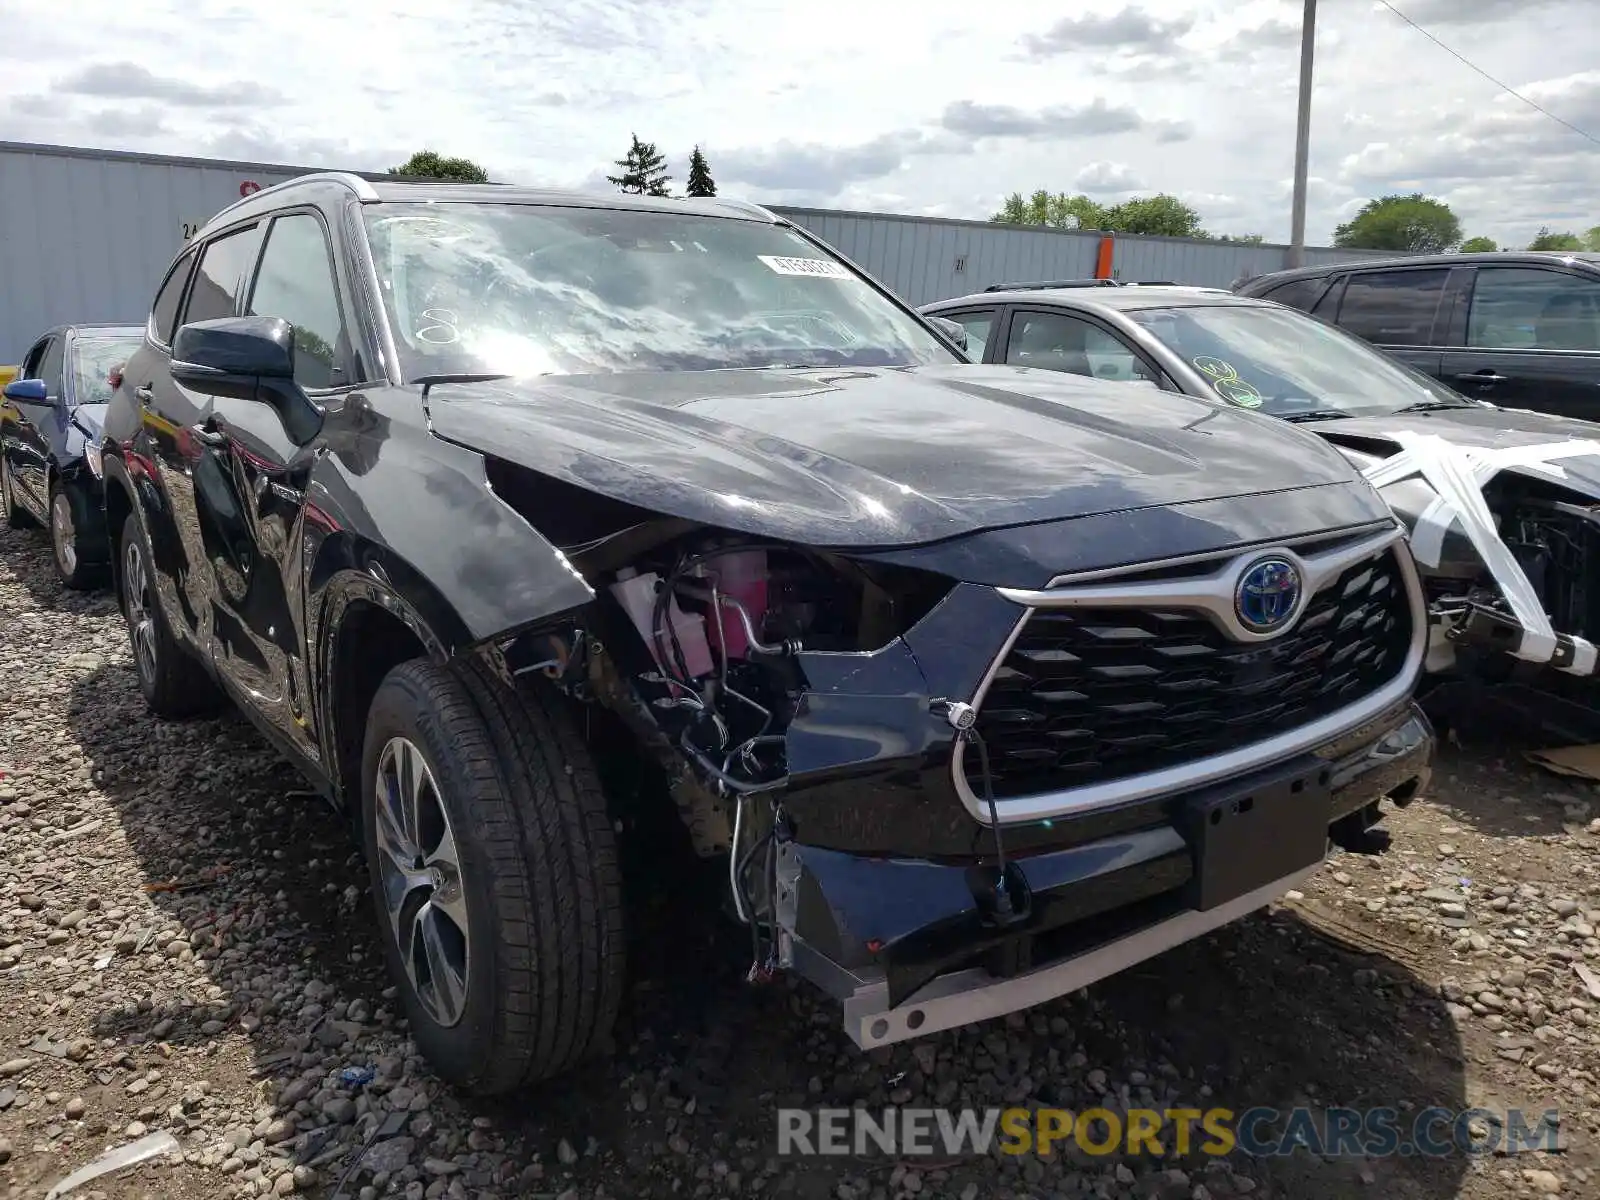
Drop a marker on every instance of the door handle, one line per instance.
(144, 393)
(1481, 377)
(207, 436)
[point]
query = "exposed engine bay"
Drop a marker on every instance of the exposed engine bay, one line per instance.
(695, 641)
(1509, 556)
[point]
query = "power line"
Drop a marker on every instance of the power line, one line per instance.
(1504, 87)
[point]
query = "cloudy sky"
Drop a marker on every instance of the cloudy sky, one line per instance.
(939, 107)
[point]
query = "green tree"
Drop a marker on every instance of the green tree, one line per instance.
(1478, 245)
(1160, 215)
(1248, 239)
(700, 181)
(1414, 223)
(644, 170)
(1546, 240)
(427, 164)
(1058, 211)
(1591, 240)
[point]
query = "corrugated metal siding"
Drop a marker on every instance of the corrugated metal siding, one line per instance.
(87, 237)
(918, 257)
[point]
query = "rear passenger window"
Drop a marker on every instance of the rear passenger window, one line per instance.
(1298, 293)
(1393, 308)
(223, 263)
(296, 282)
(164, 312)
(1528, 308)
(1325, 308)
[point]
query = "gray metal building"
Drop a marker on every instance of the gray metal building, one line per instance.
(85, 235)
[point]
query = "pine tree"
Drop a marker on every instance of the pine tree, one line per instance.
(700, 181)
(644, 170)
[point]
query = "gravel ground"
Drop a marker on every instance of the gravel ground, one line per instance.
(186, 945)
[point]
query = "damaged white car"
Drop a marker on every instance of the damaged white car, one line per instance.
(1503, 504)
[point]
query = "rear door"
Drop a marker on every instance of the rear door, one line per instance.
(170, 444)
(1530, 339)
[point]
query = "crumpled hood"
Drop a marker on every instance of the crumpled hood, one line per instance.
(856, 457)
(1364, 439)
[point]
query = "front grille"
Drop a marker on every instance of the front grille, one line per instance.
(1091, 695)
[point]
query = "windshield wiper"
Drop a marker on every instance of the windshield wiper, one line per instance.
(1433, 406)
(1316, 414)
(428, 381)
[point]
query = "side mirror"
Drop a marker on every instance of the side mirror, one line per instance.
(28, 391)
(953, 330)
(247, 358)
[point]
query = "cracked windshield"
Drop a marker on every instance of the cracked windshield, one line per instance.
(1288, 365)
(523, 290)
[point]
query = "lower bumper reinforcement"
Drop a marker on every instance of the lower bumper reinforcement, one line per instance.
(962, 997)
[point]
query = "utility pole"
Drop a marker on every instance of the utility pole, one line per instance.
(1302, 145)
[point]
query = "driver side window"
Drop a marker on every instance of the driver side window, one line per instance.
(1061, 342)
(35, 359)
(50, 368)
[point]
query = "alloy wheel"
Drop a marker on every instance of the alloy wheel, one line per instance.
(140, 608)
(63, 533)
(420, 869)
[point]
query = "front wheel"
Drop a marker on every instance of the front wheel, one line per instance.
(494, 875)
(71, 522)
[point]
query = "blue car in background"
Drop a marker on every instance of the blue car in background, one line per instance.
(50, 428)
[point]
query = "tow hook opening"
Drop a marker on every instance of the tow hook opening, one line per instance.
(1001, 893)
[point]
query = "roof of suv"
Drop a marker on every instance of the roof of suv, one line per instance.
(382, 191)
(1119, 299)
(1430, 260)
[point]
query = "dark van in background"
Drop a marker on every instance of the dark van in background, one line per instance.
(1521, 330)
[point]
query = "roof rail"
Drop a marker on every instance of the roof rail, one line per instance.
(1051, 283)
(361, 187)
(749, 207)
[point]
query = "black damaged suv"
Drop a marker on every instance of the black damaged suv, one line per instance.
(981, 682)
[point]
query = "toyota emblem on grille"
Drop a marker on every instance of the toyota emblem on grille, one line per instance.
(1268, 595)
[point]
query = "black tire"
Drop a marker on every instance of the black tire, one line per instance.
(173, 682)
(12, 513)
(68, 550)
(538, 876)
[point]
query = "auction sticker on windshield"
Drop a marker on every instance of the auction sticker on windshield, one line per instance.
(1225, 379)
(820, 267)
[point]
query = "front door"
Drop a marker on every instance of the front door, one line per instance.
(1397, 310)
(1531, 340)
(256, 499)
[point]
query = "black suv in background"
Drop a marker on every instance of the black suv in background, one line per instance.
(975, 684)
(1521, 330)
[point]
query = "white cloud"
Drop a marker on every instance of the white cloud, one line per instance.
(943, 111)
(1100, 178)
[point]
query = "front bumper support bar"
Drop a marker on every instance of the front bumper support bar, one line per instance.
(963, 997)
